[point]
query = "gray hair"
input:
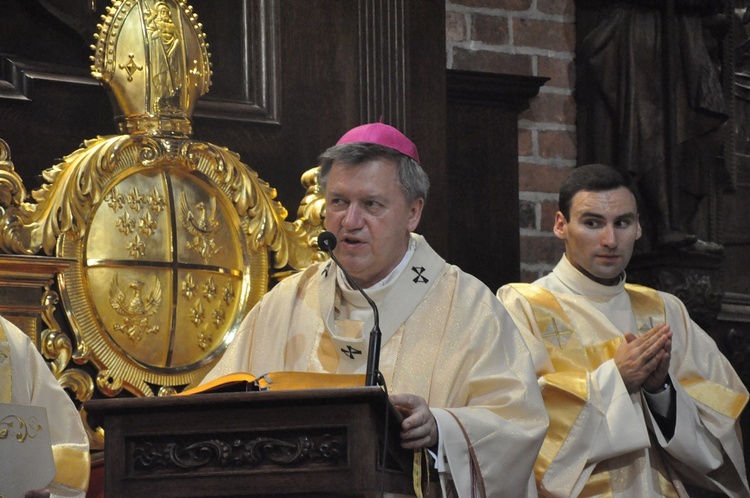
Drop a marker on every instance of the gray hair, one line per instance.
(411, 176)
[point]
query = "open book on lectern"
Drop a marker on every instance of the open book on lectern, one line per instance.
(277, 381)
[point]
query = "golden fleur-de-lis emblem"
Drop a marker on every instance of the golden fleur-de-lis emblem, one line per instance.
(136, 247)
(188, 286)
(218, 316)
(125, 224)
(228, 293)
(115, 200)
(135, 200)
(156, 202)
(205, 339)
(147, 225)
(197, 314)
(209, 289)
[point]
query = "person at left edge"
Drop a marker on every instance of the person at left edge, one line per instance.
(460, 370)
(26, 379)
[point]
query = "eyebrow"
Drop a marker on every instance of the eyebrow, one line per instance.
(594, 214)
(379, 197)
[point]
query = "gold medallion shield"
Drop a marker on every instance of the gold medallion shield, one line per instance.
(163, 279)
(167, 242)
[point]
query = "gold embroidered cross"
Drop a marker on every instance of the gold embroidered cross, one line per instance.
(553, 331)
(647, 325)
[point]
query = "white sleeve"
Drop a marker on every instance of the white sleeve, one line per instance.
(452, 444)
(692, 443)
(624, 428)
(609, 425)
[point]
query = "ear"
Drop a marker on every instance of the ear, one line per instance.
(638, 231)
(415, 214)
(561, 226)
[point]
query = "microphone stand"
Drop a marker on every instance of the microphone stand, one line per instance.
(327, 241)
(373, 377)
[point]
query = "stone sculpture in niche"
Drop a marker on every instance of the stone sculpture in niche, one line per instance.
(651, 103)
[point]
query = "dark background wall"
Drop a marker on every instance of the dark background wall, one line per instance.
(288, 81)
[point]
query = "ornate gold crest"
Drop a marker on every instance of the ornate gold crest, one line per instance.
(166, 261)
(173, 239)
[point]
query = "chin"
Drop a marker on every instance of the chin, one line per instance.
(609, 275)
(607, 272)
(355, 268)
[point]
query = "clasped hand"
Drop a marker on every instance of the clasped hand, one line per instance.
(643, 361)
(418, 429)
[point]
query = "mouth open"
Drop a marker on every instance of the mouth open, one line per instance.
(352, 241)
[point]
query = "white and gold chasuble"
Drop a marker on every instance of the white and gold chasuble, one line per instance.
(25, 379)
(602, 441)
(445, 338)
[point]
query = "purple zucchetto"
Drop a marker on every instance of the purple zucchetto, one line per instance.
(381, 134)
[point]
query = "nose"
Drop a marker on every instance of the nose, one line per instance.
(352, 219)
(608, 238)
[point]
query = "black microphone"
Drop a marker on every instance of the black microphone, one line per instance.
(327, 242)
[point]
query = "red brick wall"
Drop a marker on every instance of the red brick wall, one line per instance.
(537, 38)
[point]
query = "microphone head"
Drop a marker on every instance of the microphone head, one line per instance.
(327, 241)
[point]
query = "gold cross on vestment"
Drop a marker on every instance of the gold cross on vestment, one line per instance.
(552, 330)
(647, 325)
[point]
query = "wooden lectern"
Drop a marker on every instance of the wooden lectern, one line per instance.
(317, 442)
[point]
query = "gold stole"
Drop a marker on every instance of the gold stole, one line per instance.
(6, 370)
(566, 392)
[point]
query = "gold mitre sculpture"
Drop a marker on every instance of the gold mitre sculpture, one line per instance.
(173, 238)
(153, 57)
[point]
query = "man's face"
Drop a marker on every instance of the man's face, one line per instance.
(367, 211)
(601, 233)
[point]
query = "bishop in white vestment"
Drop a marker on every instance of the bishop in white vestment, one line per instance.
(451, 356)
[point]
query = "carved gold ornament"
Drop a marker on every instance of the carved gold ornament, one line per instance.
(171, 242)
(153, 57)
(173, 239)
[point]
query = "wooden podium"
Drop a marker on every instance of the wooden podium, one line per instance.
(318, 442)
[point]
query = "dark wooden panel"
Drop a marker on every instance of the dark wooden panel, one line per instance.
(49, 115)
(426, 113)
(483, 172)
(247, 60)
(317, 442)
